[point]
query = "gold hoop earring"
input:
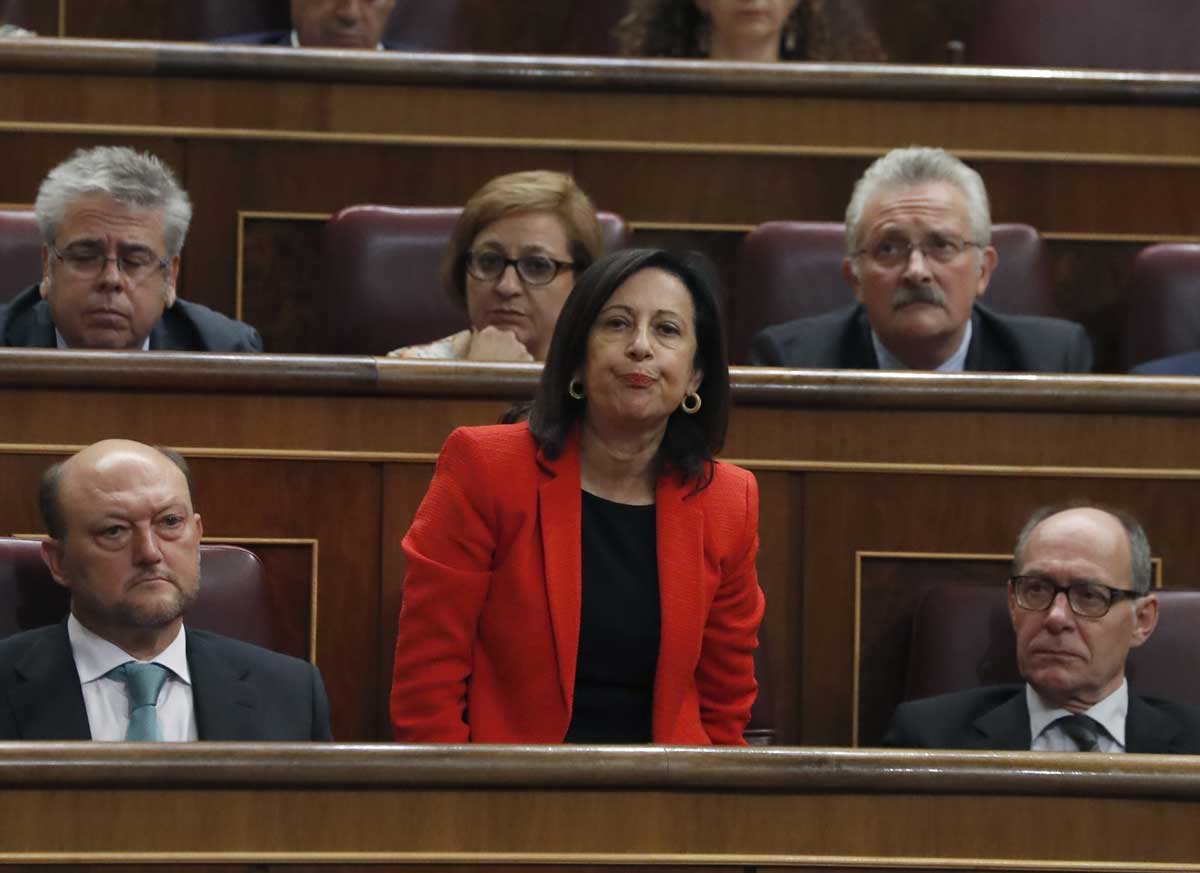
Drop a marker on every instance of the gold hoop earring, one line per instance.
(691, 403)
(575, 389)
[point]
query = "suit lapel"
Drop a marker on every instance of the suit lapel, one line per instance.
(1148, 729)
(679, 528)
(1006, 726)
(47, 699)
(860, 351)
(559, 518)
(226, 701)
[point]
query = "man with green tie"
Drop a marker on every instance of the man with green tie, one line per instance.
(124, 540)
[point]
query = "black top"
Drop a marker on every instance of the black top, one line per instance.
(619, 625)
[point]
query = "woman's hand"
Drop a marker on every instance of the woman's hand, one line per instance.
(495, 344)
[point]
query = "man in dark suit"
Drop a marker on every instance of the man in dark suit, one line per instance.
(347, 24)
(919, 255)
(1079, 600)
(1186, 364)
(125, 541)
(113, 222)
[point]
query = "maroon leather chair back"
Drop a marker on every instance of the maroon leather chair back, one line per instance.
(234, 597)
(962, 638)
(793, 269)
(20, 252)
(383, 267)
(202, 20)
(1112, 34)
(1162, 304)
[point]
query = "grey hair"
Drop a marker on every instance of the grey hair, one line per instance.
(131, 178)
(1141, 568)
(919, 165)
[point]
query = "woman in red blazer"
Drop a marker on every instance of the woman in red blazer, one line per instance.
(589, 576)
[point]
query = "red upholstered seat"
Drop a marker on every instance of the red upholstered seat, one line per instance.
(962, 638)
(793, 269)
(384, 286)
(234, 597)
(1112, 34)
(20, 252)
(1162, 309)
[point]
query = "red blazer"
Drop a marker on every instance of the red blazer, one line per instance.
(489, 629)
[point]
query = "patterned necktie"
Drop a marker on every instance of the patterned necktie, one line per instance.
(142, 682)
(1083, 730)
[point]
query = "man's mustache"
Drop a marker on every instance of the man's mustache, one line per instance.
(913, 293)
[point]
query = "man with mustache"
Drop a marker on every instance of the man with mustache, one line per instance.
(124, 540)
(1079, 600)
(113, 222)
(918, 256)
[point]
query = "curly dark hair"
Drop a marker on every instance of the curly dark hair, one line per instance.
(817, 30)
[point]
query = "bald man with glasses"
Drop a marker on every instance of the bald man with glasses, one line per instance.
(1079, 600)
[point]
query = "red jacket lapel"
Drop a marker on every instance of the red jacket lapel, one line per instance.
(559, 511)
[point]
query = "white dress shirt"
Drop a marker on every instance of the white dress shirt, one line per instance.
(106, 699)
(1109, 712)
(956, 363)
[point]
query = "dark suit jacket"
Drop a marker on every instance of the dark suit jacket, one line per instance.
(999, 343)
(284, 38)
(240, 691)
(997, 717)
(1187, 364)
(489, 629)
(185, 327)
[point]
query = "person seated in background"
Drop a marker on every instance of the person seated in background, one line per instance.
(748, 30)
(345, 24)
(511, 262)
(1079, 599)
(918, 257)
(589, 576)
(113, 223)
(1185, 364)
(124, 539)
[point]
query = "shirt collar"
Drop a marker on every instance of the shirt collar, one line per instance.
(956, 363)
(296, 41)
(95, 656)
(1109, 712)
(62, 343)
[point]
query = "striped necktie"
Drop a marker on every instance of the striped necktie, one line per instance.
(1083, 730)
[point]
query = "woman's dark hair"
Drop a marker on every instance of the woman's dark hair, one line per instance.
(690, 440)
(817, 30)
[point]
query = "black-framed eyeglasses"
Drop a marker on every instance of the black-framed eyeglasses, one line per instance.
(88, 263)
(894, 251)
(1088, 599)
(488, 266)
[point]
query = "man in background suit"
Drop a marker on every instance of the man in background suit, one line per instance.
(1079, 600)
(125, 541)
(113, 223)
(919, 255)
(346, 24)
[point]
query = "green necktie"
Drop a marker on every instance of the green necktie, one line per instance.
(143, 682)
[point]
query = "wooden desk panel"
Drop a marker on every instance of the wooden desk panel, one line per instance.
(340, 450)
(569, 807)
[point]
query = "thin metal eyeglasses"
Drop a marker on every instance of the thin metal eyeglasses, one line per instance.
(487, 266)
(894, 251)
(1088, 599)
(136, 264)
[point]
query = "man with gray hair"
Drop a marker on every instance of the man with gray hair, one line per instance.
(1079, 599)
(113, 223)
(918, 257)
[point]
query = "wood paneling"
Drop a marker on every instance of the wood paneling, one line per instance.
(506, 810)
